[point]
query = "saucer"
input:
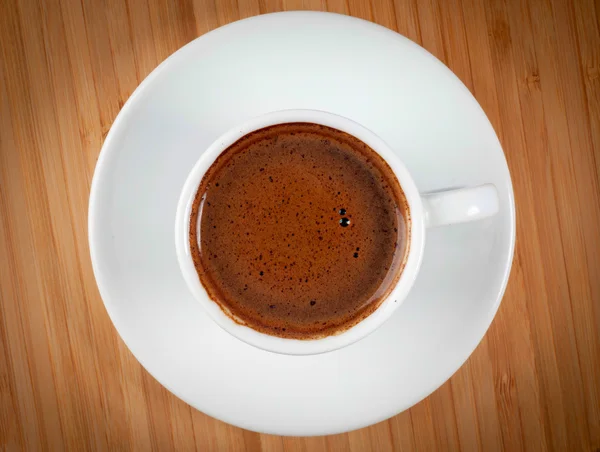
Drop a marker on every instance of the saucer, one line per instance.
(281, 61)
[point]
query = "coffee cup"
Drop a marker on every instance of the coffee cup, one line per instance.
(426, 211)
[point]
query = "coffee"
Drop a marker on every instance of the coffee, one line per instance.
(299, 231)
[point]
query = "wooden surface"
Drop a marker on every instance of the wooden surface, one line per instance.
(67, 382)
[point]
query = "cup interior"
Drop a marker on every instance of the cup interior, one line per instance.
(285, 345)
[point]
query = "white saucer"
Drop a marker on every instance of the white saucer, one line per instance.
(298, 60)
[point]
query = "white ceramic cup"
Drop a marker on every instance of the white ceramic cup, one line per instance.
(441, 208)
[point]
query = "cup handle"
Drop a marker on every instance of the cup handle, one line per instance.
(460, 205)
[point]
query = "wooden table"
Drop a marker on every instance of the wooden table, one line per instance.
(67, 382)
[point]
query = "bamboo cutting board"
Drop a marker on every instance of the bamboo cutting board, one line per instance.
(67, 382)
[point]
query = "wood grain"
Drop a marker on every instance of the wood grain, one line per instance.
(67, 382)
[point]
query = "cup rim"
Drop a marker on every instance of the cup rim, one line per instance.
(300, 346)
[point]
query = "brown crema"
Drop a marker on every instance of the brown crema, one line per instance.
(299, 231)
